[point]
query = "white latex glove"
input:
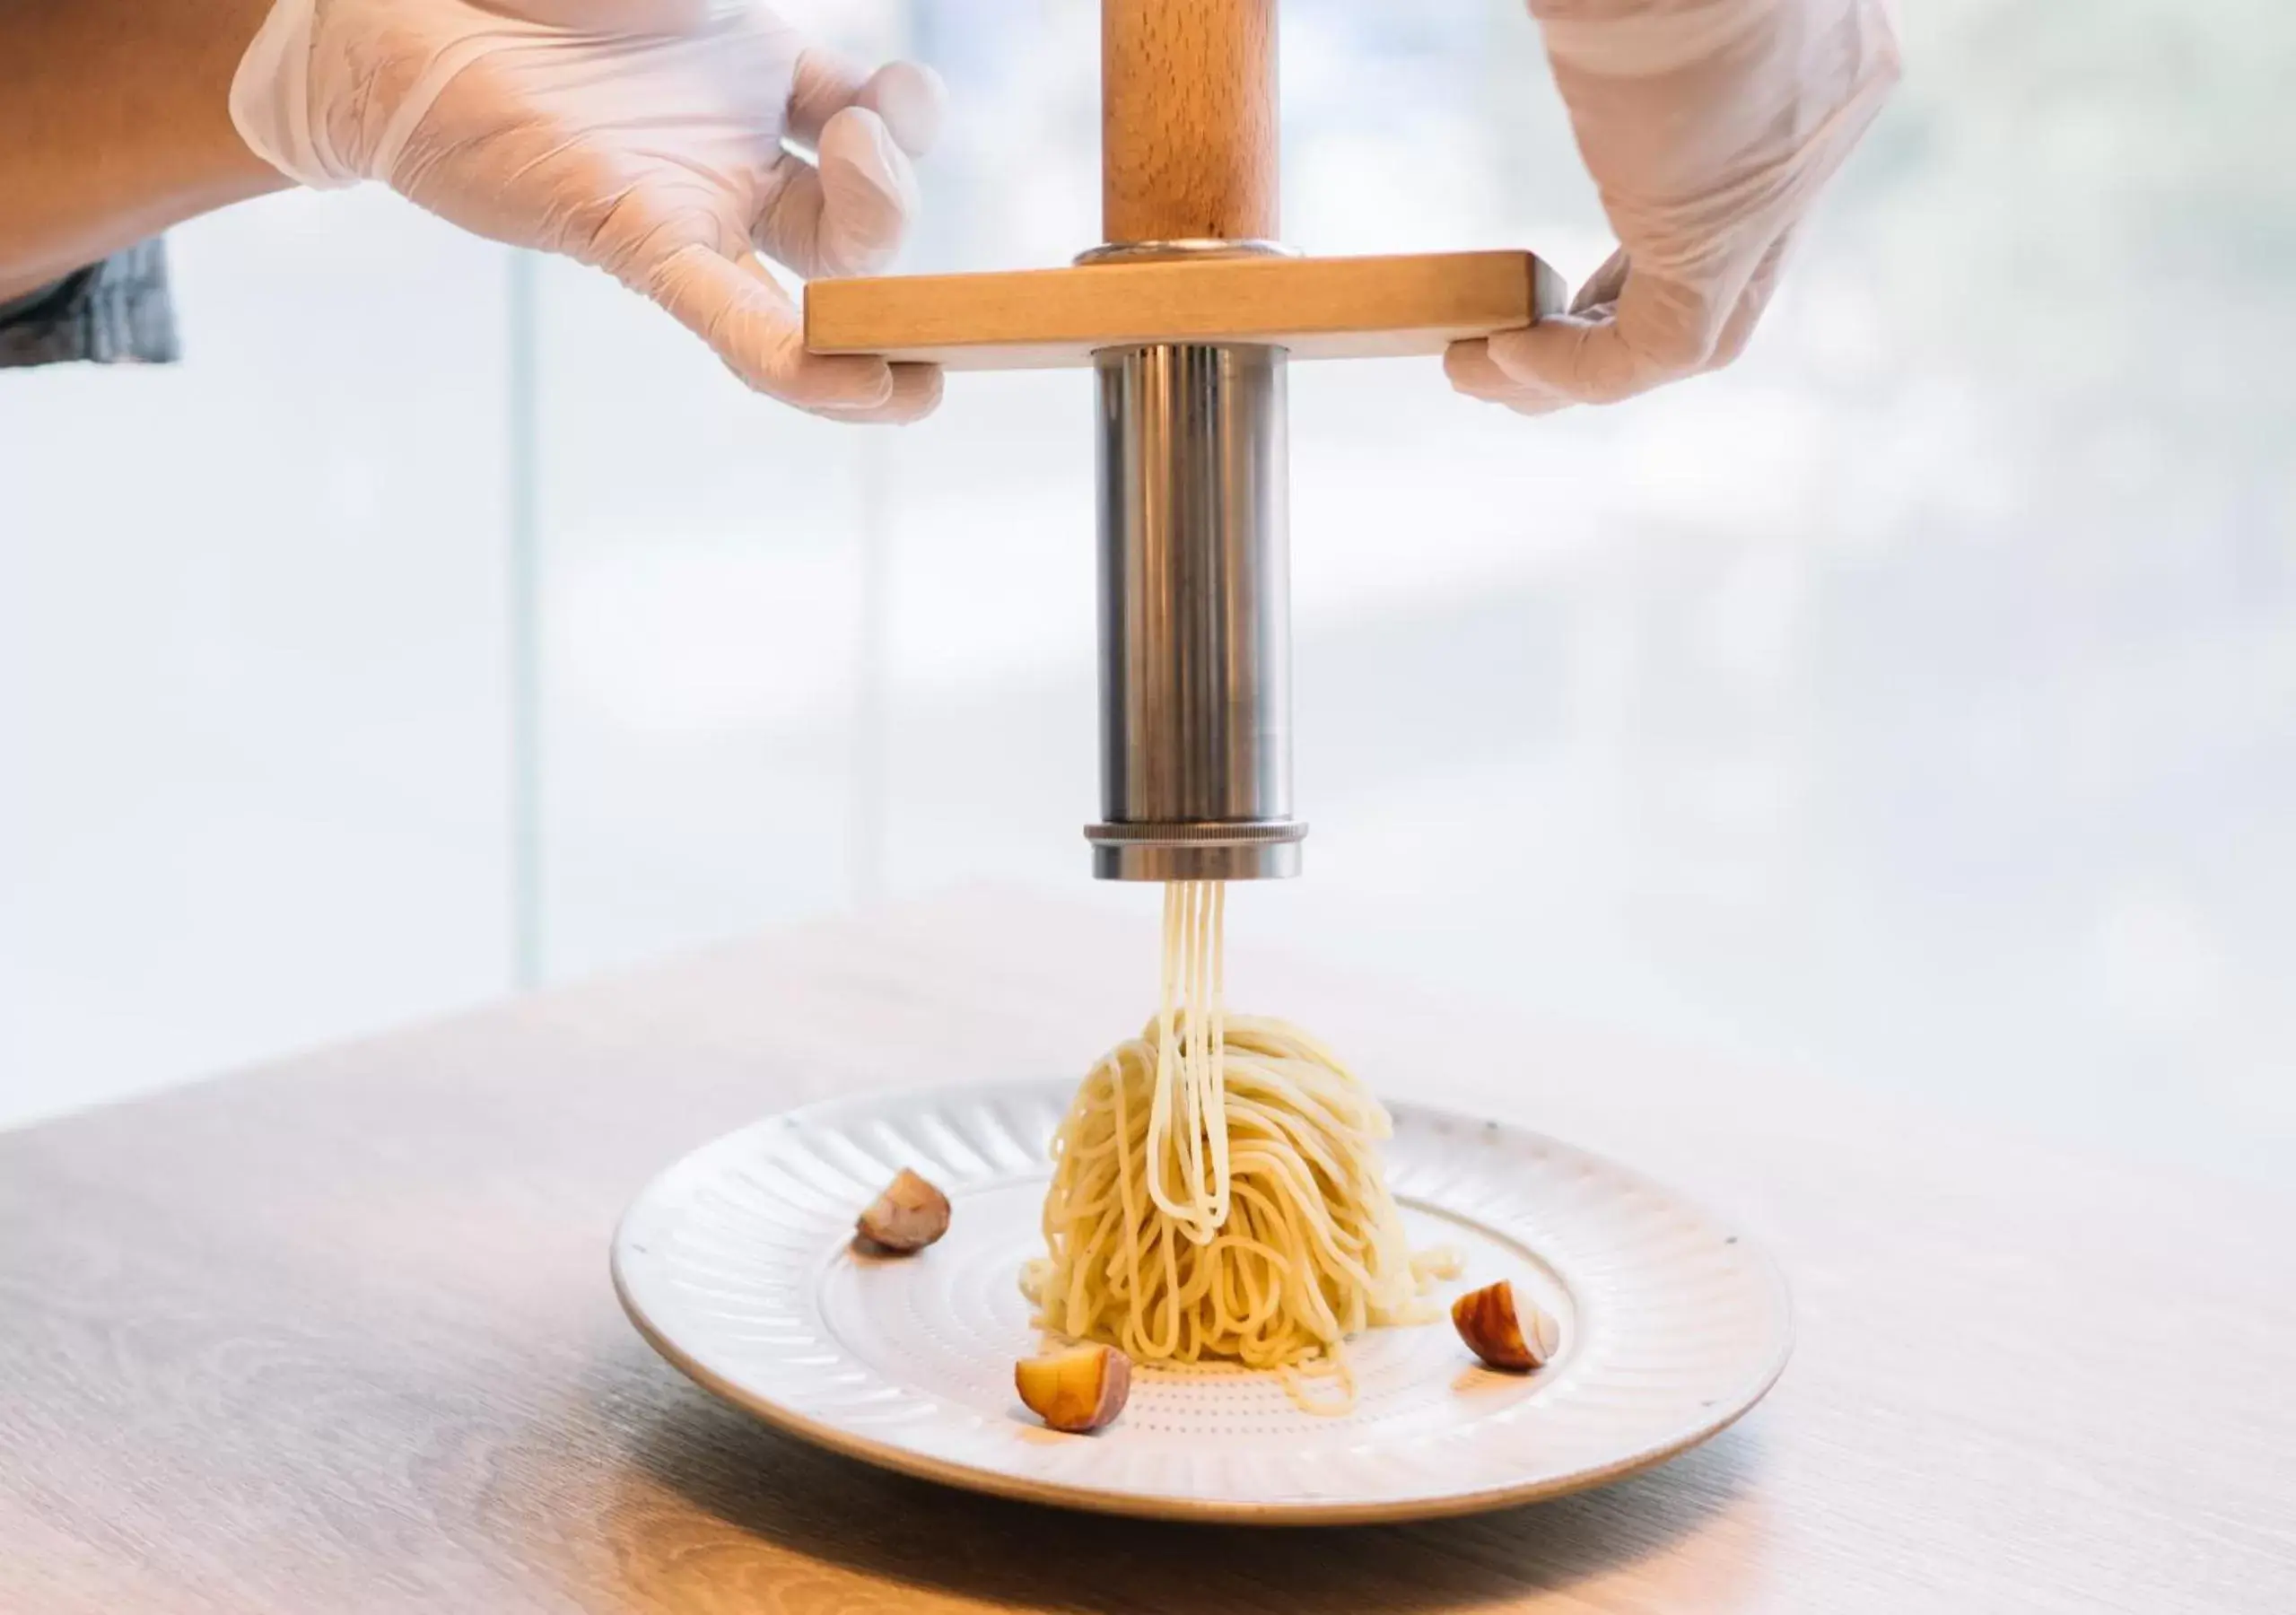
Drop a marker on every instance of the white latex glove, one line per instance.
(1709, 126)
(642, 136)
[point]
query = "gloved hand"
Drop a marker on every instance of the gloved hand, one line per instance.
(1709, 126)
(642, 136)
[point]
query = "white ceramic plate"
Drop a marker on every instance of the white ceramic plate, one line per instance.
(735, 1264)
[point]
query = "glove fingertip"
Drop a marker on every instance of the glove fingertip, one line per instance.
(915, 393)
(1564, 356)
(916, 390)
(843, 381)
(869, 194)
(1468, 367)
(1476, 373)
(911, 99)
(739, 309)
(857, 139)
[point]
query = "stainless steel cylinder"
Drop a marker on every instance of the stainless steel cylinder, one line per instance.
(1195, 616)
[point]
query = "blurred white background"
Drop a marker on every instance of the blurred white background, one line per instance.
(1915, 702)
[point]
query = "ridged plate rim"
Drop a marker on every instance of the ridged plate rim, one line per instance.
(1749, 1387)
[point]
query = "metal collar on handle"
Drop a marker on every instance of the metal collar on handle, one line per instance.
(1150, 252)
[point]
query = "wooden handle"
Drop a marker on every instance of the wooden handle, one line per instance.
(1187, 143)
(1338, 308)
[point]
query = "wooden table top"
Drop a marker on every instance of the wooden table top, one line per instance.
(336, 1334)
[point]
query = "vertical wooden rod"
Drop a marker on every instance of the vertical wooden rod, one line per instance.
(1188, 141)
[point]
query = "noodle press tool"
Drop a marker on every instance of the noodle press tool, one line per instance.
(1188, 314)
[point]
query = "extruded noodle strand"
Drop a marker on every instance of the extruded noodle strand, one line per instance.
(1217, 1193)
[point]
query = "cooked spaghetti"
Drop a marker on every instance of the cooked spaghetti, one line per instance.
(1218, 1194)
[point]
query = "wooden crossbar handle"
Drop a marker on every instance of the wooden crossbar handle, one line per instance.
(1348, 308)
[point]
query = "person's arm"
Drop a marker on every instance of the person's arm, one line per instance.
(115, 123)
(648, 138)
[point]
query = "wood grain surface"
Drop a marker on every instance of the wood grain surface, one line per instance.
(1342, 308)
(336, 1335)
(1188, 120)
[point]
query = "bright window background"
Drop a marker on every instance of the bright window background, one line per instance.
(1916, 702)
